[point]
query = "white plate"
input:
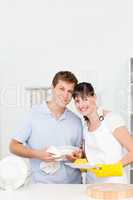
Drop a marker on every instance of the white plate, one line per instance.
(67, 150)
(13, 172)
(59, 153)
(81, 166)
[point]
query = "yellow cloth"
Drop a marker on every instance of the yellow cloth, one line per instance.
(102, 170)
(80, 161)
(107, 170)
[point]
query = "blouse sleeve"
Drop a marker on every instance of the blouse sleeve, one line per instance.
(115, 121)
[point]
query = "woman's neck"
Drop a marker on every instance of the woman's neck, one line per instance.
(93, 122)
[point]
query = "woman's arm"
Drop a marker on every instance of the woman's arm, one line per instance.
(125, 139)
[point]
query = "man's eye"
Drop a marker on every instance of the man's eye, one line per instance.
(70, 92)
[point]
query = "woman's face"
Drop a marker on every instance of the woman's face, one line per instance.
(86, 106)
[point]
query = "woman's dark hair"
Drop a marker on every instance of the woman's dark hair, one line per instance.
(83, 90)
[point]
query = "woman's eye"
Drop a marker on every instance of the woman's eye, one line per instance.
(86, 99)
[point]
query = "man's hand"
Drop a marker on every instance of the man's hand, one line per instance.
(42, 154)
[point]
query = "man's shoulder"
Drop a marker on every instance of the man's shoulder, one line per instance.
(37, 108)
(73, 115)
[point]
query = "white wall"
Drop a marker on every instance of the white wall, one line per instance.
(92, 38)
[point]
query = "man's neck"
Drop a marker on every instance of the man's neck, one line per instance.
(55, 109)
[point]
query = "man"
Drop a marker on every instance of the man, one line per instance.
(51, 124)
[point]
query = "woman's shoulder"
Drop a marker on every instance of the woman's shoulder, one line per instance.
(112, 115)
(114, 120)
(107, 112)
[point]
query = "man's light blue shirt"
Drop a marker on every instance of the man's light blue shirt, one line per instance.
(40, 129)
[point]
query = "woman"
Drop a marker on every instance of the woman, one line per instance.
(105, 137)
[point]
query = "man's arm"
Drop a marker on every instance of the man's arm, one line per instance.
(19, 149)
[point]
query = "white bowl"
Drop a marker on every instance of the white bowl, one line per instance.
(13, 172)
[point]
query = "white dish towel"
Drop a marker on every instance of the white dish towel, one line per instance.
(51, 167)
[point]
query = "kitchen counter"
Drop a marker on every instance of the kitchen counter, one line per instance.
(48, 192)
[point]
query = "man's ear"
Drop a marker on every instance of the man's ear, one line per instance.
(52, 87)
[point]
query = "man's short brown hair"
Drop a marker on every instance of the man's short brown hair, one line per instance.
(64, 76)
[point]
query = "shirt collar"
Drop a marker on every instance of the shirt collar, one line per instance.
(46, 110)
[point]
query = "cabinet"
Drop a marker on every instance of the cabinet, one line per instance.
(38, 94)
(131, 111)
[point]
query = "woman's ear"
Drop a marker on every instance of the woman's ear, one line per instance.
(95, 97)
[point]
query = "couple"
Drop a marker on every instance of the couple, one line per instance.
(52, 124)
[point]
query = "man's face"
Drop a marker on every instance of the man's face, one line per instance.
(62, 93)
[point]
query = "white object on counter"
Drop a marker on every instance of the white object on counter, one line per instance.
(13, 172)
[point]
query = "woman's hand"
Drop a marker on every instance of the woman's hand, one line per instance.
(75, 155)
(107, 170)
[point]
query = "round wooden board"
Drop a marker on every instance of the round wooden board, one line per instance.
(110, 191)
